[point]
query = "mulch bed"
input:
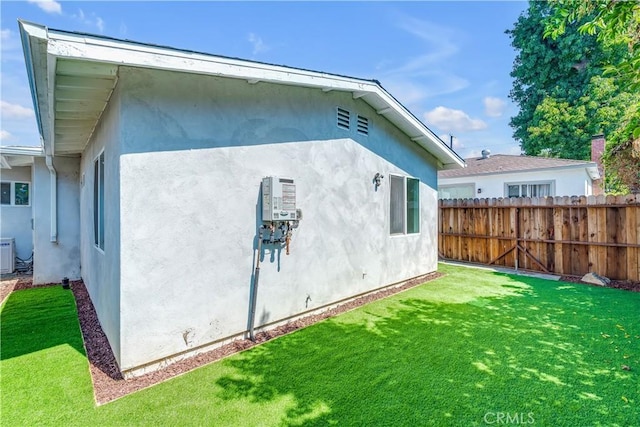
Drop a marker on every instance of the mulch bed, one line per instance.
(618, 284)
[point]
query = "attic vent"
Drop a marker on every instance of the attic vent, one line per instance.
(343, 118)
(363, 125)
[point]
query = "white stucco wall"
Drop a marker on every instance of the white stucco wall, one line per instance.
(15, 221)
(572, 181)
(101, 269)
(194, 151)
(55, 260)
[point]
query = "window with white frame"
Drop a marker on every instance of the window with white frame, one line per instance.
(98, 201)
(14, 193)
(529, 189)
(404, 205)
(458, 191)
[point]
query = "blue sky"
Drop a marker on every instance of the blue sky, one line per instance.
(448, 62)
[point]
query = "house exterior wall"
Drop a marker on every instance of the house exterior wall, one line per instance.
(194, 150)
(101, 269)
(15, 221)
(566, 182)
(54, 260)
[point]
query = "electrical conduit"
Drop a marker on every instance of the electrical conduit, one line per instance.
(53, 179)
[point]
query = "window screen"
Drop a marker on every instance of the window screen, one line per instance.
(397, 204)
(98, 201)
(5, 193)
(413, 205)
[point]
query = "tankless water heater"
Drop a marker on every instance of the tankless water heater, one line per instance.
(278, 199)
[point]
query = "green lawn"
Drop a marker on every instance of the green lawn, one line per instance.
(471, 348)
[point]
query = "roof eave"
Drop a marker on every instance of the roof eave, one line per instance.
(34, 35)
(63, 44)
(588, 166)
(22, 151)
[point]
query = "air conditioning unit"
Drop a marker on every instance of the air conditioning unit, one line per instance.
(7, 255)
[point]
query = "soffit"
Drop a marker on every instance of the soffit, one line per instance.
(82, 91)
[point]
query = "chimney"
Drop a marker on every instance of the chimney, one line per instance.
(597, 149)
(486, 153)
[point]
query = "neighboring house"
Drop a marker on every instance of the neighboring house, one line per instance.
(36, 191)
(165, 151)
(16, 201)
(504, 175)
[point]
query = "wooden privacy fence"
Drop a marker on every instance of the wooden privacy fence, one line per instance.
(561, 235)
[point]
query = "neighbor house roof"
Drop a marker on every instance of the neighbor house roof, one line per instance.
(72, 76)
(18, 155)
(503, 163)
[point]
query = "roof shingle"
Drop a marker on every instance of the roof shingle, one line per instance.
(501, 163)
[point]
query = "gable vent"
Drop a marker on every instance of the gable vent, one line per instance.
(363, 125)
(343, 118)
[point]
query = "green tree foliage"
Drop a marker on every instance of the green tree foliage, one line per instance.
(550, 74)
(615, 24)
(562, 129)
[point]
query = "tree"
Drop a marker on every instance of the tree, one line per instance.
(552, 81)
(614, 23)
(561, 129)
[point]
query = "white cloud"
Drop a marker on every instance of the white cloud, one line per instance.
(91, 20)
(100, 24)
(15, 111)
(259, 45)
(411, 92)
(494, 107)
(49, 6)
(424, 75)
(439, 39)
(4, 135)
(451, 120)
(10, 46)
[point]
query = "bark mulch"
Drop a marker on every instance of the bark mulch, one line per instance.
(618, 284)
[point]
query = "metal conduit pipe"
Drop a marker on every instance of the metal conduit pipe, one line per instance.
(254, 290)
(53, 179)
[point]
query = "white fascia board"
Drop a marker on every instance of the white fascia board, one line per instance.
(34, 43)
(131, 54)
(22, 151)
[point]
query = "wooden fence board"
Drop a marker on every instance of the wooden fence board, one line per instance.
(592, 231)
(633, 228)
(565, 235)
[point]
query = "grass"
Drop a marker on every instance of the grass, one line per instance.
(460, 350)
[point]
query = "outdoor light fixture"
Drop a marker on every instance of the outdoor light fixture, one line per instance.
(377, 179)
(479, 190)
